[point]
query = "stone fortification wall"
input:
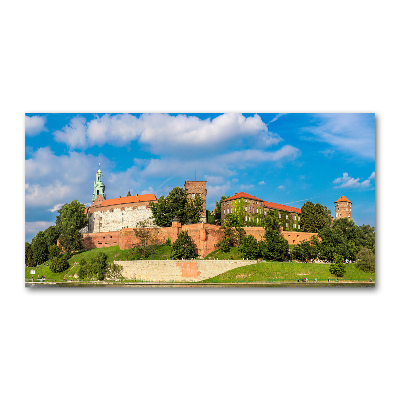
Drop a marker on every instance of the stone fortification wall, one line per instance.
(177, 271)
(204, 236)
(114, 219)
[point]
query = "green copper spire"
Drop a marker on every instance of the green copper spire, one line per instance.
(99, 187)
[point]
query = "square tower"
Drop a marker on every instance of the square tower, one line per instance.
(343, 208)
(198, 187)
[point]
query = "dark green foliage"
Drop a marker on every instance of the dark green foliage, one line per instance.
(240, 234)
(183, 247)
(210, 217)
(305, 251)
(51, 235)
(366, 260)
(29, 260)
(39, 248)
(100, 266)
(274, 247)
(177, 204)
(217, 213)
(54, 251)
(228, 237)
(233, 219)
(338, 268)
(69, 222)
(314, 217)
(59, 264)
(271, 221)
(249, 247)
(168, 242)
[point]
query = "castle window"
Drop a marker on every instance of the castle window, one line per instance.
(294, 225)
(298, 227)
(279, 215)
(286, 216)
(287, 225)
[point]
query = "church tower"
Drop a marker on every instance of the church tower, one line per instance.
(99, 187)
(343, 208)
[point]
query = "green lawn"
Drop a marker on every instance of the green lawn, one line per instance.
(232, 254)
(286, 271)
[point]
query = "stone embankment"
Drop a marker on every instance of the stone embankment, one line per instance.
(177, 270)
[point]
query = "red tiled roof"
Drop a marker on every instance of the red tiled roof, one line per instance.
(343, 198)
(243, 195)
(129, 199)
(281, 207)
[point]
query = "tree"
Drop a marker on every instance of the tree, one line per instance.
(183, 247)
(177, 204)
(51, 235)
(39, 248)
(366, 260)
(54, 251)
(274, 246)
(271, 221)
(314, 217)
(210, 217)
(249, 247)
(59, 264)
(228, 237)
(338, 268)
(70, 221)
(29, 260)
(240, 234)
(217, 213)
(147, 239)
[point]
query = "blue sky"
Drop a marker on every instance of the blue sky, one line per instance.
(283, 158)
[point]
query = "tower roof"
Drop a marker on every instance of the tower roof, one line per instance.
(343, 198)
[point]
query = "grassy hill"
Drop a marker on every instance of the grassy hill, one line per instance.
(286, 271)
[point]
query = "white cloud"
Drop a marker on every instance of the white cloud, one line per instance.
(246, 187)
(277, 117)
(34, 125)
(56, 207)
(262, 183)
(36, 226)
(352, 133)
(164, 133)
(348, 182)
(281, 187)
(214, 193)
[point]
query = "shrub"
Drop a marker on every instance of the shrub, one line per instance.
(54, 251)
(249, 247)
(275, 247)
(338, 269)
(59, 264)
(366, 260)
(183, 247)
(168, 242)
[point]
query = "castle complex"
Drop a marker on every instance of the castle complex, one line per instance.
(112, 222)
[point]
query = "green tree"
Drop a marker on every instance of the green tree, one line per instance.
(54, 251)
(240, 234)
(183, 247)
(29, 260)
(271, 221)
(249, 247)
(210, 217)
(228, 237)
(51, 235)
(70, 221)
(59, 264)
(177, 204)
(217, 213)
(148, 238)
(338, 268)
(274, 246)
(314, 217)
(39, 248)
(366, 260)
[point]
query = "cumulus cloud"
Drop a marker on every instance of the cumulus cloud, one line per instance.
(261, 183)
(348, 182)
(34, 125)
(36, 226)
(56, 207)
(352, 133)
(164, 133)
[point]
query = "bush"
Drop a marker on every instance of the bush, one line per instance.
(183, 247)
(59, 264)
(366, 260)
(100, 266)
(249, 247)
(338, 269)
(54, 251)
(275, 247)
(168, 242)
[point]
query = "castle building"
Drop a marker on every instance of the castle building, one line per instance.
(251, 209)
(198, 187)
(343, 208)
(115, 214)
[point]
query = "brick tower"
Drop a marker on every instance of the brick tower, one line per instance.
(198, 187)
(343, 208)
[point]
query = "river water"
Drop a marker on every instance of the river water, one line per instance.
(188, 285)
